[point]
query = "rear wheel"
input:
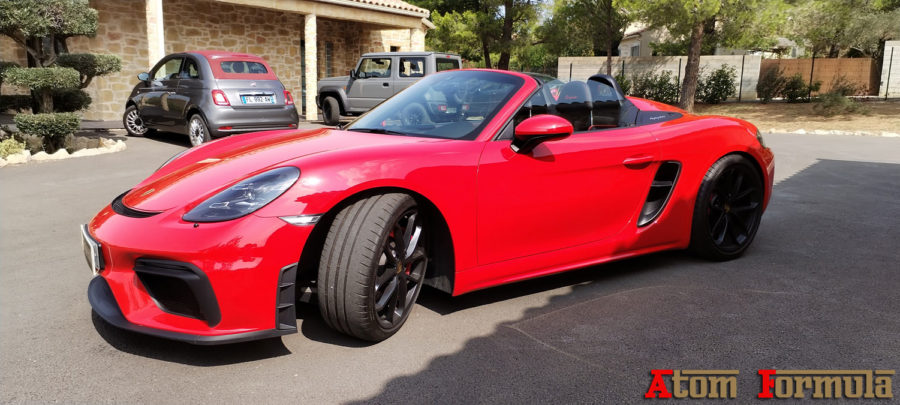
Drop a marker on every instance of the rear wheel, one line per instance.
(331, 111)
(133, 123)
(198, 131)
(728, 209)
(372, 266)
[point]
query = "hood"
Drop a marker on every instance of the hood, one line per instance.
(207, 169)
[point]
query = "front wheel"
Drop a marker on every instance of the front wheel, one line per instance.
(331, 111)
(133, 123)
(198, 131)
(728, 209)
(372, 266)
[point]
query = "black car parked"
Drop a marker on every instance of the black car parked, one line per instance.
(207, 94)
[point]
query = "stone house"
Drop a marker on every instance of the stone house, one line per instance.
(303, 40)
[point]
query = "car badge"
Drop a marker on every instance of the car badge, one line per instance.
(148, 192)
(252, 84)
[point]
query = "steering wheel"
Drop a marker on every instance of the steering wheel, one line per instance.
(414, 114)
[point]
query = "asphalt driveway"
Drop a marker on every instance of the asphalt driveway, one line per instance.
(818, 290)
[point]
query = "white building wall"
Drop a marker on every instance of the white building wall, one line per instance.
(890, 69)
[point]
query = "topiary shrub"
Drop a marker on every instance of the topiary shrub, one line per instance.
(71, 100)
(10, 146)
(44, 81)
(6, 65)
(796, 89)
(15, 102)
(53, 128)
(660, 87)
(90, 65)
(718, 86)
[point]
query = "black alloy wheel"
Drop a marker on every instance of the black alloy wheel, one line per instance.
(372, 266)
(728, 209)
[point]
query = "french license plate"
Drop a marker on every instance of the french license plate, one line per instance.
(91, 251)
(258, 99)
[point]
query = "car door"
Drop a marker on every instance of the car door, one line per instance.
(373, 83)
(189, 91)
(568, 192)
(409, 70)
(163, 82)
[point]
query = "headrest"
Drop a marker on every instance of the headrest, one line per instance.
(574, 92)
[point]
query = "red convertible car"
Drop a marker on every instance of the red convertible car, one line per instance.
(466, 180)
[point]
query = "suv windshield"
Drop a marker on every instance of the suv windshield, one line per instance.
(452, 105)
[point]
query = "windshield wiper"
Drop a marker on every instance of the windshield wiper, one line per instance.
(377, 131)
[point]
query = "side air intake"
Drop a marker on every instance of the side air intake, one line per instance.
(660, 191)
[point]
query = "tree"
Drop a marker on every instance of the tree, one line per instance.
(490, 25)
(42, 26)
(580, 27)
(737, 23)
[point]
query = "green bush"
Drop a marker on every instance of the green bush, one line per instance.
(10, 146)
(771, 85)
(834, 103)
(796, 89)
(660, 87)
(90, 65)
(52, 78)
(624, 83)
(71, 100)
(717, 86)
(16, 102)
(54, 128)
(844, 87)
(6, 65)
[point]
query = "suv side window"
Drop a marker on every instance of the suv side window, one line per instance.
(443, 64)
(412, 67)
(168, 70)
(374, 67)
(190, 70)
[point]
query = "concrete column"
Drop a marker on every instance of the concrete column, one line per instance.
(417, 40)
(312, 75)
(156, 38)
(890, 70)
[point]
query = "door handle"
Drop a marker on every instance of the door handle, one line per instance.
(385, 84)
(170, 92)
(637, 161)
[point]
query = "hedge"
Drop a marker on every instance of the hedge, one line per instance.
(90, 65)
(71, 100)
(16, 102)
(6, 65)
(53, 128)
(52, 78)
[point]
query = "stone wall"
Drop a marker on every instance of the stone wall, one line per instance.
(122, 31)
(10, 51)
(583, 67)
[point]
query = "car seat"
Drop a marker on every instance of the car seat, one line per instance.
(575, 104)
(237, 67)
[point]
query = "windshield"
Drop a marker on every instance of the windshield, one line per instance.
(452, 105)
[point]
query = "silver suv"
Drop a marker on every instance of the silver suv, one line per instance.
(377, 77)
(208, 94)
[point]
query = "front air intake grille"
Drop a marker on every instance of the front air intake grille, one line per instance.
(179, 288)
(119, 207)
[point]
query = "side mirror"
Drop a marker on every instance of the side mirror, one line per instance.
(144, 77)
(352, 74)
(540, 128)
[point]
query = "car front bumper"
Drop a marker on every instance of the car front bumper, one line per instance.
(212, 283)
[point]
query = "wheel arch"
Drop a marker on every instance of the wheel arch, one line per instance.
(441, 269)
(341, 100)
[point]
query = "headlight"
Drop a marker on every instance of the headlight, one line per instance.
(245, 197)
(760, 139)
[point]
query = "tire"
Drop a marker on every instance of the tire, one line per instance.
(369, 278)
(331, 111)
(728, 209)
(197, 130)
(133, 123)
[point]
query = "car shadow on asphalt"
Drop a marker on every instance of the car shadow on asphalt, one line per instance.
(170, 138)
(186, 353)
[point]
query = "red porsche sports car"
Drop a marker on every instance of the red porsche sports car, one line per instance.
(466, 180)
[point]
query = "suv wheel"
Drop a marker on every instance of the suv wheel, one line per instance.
(331, 111)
